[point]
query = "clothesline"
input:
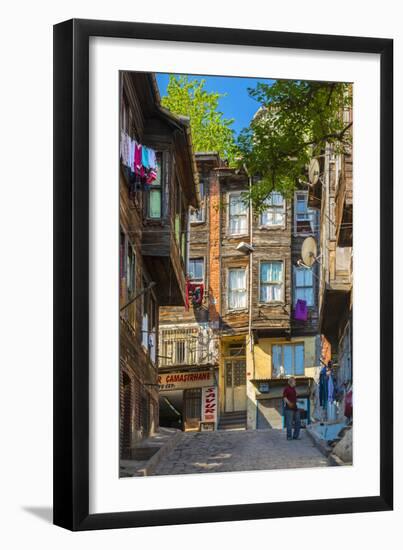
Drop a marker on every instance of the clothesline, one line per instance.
(140, 160)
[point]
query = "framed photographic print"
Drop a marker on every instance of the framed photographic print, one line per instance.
(212, 188)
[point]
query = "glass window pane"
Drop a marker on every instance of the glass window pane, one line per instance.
(277, 198)
(264, 293)
(196, 268)
(234, 206)
(309, 296)
(305, 293)
(299, 359)
(276, 292)
(264, 272)
(276, 359)
(237, 279)
(308, 277)
(268, 217)
(155, 203)
(288, 359)
(301, 203)
(278, 217)
(237, 288)
(237, 299)
(299, 276)
(158, 180)
(243, 224)
(299, 294)
(238, 224)
(237, 205)
(276, 271)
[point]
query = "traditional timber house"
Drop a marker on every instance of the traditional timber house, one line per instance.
(157, 185)
(261, 341)
(246, 265)
(333, 197)
(188, 360)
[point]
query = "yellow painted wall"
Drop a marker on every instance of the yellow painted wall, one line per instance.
(259, 365)
(263, 360)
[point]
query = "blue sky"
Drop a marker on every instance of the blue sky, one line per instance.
(237, 104)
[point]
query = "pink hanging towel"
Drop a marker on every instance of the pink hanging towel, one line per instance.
(301, 311)
(138, 167)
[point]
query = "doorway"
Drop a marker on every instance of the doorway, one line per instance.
(235, 385)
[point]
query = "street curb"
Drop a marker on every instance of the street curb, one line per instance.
(326, 450)
(334, 460)
(321, 444)
(151, 465)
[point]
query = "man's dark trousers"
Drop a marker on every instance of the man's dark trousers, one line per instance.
(292, 416)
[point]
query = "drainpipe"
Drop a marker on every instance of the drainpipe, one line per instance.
(250, 269)
(188, 243)
(252, 354)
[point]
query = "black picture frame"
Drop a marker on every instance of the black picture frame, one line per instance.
(71, 274)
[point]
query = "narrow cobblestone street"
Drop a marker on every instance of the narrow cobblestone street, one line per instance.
(229, 451)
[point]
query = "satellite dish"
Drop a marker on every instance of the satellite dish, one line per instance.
(309, 251)
(313, 171)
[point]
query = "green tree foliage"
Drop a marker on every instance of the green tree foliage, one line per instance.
(294, 123)
(210, 130)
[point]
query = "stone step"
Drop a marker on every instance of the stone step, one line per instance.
(232, 427)
(233, 421)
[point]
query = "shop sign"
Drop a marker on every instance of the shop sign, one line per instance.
(209, 404)
(185, 380)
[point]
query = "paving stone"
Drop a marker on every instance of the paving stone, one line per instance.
(225, 451)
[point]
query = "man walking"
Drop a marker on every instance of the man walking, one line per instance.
(291, 413)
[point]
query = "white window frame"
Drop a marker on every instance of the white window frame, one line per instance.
(197, 279)
(201, 212)
(160, 188)
(195, 212)
(310, 212)
(245, 270)
(303, 269)
(268, 261)
(275, 210)
(293, 346)
(246, 232)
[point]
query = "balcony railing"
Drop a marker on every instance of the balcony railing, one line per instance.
(186, 346)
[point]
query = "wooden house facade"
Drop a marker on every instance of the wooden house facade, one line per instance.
(260, 340)
(188, 343)
(333, 197)
(153, 245)
(247, 264)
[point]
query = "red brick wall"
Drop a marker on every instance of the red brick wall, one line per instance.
(326, 352)
(214, 253)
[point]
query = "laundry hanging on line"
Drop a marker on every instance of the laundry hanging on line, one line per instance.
(140, 161)
(194, 291)
(301, 311)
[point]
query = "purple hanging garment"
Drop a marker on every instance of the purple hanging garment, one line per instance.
(301, 311)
